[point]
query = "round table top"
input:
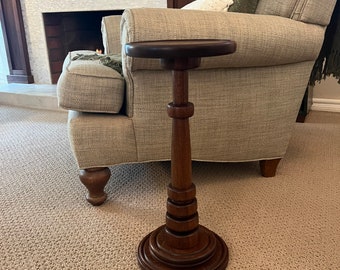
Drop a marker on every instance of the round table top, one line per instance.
(180, 48)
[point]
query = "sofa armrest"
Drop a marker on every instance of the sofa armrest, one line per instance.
(110, 28)
(262, 40)
(89, 86)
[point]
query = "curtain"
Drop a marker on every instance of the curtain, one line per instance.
(328, 61)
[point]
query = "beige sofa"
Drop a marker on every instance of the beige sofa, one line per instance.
(245, 103)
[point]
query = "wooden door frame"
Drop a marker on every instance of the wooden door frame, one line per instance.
(15, 42)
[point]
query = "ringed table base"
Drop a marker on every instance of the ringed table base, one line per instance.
(182, 243)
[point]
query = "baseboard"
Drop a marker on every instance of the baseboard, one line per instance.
(326, 105)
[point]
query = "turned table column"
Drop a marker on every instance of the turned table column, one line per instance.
(182, 243)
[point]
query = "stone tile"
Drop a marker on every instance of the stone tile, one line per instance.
(37, 96)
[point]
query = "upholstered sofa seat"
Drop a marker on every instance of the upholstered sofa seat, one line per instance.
(246, 103)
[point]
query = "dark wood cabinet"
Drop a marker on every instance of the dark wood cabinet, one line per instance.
(15, 42)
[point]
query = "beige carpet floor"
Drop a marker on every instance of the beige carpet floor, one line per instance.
(291, 221)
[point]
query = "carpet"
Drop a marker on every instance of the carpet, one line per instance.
(290, 221)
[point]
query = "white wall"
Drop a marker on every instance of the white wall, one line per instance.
(326, 95)
(329, 88)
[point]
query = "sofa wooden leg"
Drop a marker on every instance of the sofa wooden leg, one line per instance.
(94, 180)
(268, 167)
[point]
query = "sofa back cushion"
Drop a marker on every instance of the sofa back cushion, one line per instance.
(241, 6)
(314, 11)
(244, 6)
(111, 34)
(283, 8)
(308, 11)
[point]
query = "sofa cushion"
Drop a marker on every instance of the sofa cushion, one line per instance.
(214, 5)
(244, 6)
(283, 8)
(110, 28)
(308, 11)
(89, 86)
(313, 11)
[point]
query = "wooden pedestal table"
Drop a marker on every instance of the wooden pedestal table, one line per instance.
(182, 243)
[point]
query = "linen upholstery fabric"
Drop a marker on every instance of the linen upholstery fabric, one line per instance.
(283, 8)
(87, 85)
(104, 140)
(258, 37)
(244, 6)
(312, 11)
(308, 11)
(110, 27)
(261, 40)
(147, 136)
(101, 139)
(216, 5)
(153, 132)
(245, 103)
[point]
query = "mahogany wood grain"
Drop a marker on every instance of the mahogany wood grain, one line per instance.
(182, 243)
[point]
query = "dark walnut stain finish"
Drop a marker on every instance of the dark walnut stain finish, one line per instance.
(182, 243)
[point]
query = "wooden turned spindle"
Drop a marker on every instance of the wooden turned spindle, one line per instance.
(182, 243)
(94, 180)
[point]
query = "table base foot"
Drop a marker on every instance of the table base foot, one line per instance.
(211, 252)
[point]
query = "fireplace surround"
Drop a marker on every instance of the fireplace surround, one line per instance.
(33, 13)
(70, 31)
